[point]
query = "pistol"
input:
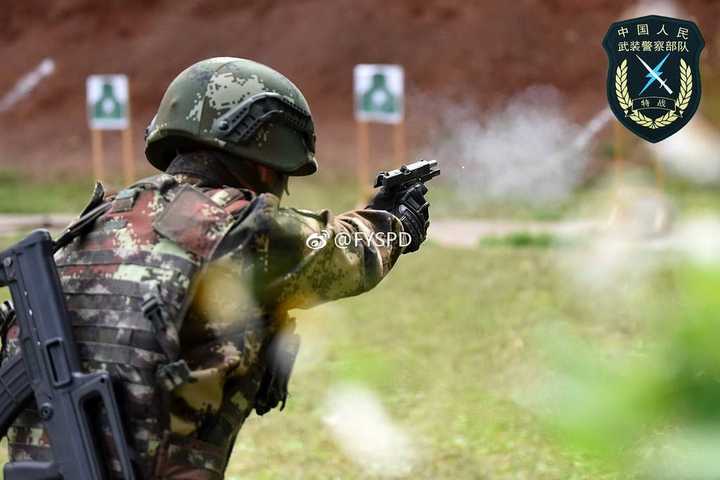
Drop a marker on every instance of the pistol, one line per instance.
(407, 175)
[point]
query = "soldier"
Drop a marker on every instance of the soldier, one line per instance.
(181, 287)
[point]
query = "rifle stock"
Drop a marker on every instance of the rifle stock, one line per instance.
(16, 391)
(68, 400)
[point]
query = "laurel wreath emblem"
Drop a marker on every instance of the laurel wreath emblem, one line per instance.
(683, 99)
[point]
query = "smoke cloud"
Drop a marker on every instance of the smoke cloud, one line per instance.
(528, 151)
(366, 433)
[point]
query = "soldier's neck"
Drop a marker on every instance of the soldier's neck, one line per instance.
(210, 168)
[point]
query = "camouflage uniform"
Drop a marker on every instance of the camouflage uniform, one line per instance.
(181, 291)
(227, 264)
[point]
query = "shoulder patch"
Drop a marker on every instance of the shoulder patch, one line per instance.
(193, 221)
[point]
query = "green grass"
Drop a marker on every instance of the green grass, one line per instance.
(450, 357)
(19, 195)
(451, 342)
(22, 194)
(521, 240)
(339, 194)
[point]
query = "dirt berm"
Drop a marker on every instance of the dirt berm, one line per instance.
(459, 50)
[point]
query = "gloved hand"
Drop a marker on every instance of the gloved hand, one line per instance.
(411, 208)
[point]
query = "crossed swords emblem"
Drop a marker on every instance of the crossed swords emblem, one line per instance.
(654, 74)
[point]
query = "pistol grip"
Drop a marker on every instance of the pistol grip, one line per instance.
(94, 393)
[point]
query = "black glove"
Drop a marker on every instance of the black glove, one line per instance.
(411, 208)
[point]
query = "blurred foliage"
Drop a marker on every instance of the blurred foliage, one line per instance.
(653, 410)
(521, 239)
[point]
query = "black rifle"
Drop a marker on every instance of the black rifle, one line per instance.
(69, 401)
(407, 175)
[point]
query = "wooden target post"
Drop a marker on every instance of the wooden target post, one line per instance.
(363, 160)
(108, 104)
(97, 154)
(127, 155)
(379, 98)
(399, 143)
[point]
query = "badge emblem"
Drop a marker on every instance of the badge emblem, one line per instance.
(653, 82)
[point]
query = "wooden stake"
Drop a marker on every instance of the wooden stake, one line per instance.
(97, 154)
(127, 156)
(363, 161)
(399, 144)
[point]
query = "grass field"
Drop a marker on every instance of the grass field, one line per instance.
(453, 345)
(21, 194)
(448, 356)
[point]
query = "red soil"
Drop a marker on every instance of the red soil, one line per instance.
(467, 51)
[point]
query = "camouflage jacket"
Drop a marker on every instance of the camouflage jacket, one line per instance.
(226, 265)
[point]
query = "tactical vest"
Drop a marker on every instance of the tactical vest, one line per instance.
(129, 283)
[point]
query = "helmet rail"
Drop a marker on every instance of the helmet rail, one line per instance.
(240, 123)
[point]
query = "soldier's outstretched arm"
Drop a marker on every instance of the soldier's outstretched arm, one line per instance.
(313, 257)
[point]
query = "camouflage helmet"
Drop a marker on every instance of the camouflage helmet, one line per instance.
(237, 106)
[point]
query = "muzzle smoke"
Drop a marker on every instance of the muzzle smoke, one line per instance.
(530, 151)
